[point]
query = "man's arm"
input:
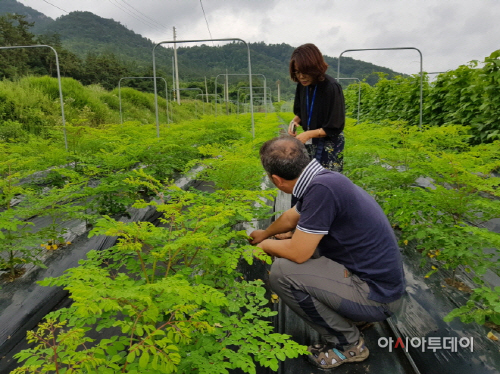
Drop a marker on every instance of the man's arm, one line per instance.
(298, 249)
(286, 222)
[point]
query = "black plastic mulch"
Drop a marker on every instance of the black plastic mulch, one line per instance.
(23, 304)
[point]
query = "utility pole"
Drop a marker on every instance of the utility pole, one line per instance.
(227, 93)
(206, 88)
(173, 79)
(279, 94)
(176, 70)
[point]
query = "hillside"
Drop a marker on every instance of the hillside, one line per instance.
(84, 33)
(12, 6)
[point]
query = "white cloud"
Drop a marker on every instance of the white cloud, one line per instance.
(448, 33)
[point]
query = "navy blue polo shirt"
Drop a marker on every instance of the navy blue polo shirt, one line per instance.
(357, 233)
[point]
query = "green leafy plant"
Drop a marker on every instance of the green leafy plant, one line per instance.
(437, 191)
(483, 306)
(486, 126)
(16, 239)
(112, 196)
(466, 96)
(230, 167)
(172, 291)
(18, 242)
(59, 204)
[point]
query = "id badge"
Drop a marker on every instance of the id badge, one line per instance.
(309, 142)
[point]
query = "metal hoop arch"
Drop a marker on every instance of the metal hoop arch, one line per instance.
(238, 96)
(120, 94)
(58, 80)
(265, 86)
(194, 41)
(391, 49)
(359, 94)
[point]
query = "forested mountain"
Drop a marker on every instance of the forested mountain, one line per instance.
(84, 32)
(104, 44)
(31, 15)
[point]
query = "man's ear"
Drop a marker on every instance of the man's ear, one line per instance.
(277, 180)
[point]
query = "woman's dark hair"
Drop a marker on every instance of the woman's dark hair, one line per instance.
(284, 156)
(308, 59)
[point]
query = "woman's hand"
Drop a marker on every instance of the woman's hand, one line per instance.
(292, 130)
(305, 136)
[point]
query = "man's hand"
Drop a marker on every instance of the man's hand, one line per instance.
(299, 249)
(286, 222)
(257, 236)
(261, 255)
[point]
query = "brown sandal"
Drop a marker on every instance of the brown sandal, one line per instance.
(327, 356)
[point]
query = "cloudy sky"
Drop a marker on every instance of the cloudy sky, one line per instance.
(448, 33)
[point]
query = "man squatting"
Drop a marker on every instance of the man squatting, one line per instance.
(342, 264)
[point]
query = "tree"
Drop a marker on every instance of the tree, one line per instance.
(14, 32)
(103, 69)
(69, 63)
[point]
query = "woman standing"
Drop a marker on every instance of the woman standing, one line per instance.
(319, 107)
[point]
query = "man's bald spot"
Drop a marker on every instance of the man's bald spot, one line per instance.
(284, 156)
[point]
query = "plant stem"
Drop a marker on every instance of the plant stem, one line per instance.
(11, 263)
